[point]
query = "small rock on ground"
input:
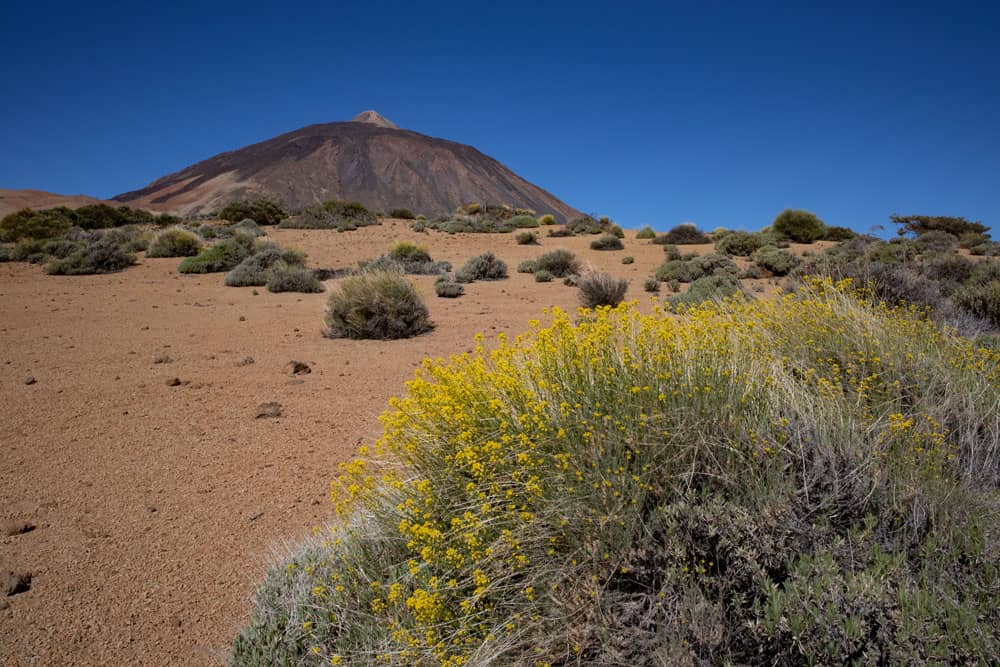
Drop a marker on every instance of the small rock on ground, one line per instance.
(270, 410)
(299, 368)
(10, 528)
(12, 583)
(173, 382)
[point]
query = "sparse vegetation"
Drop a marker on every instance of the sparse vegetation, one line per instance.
(380, 305)
(174, 242)
(448, 289)
(284, 277)
(527, 266)
(482, 267)
(222, 256)
(543, 276)
(607, 242)
(601, 289)
(559, 232)
(102, 255)
(247, 226)
(333, 214)
(527, 238)
(651, 284)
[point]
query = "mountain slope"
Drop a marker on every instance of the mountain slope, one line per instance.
(368, 159)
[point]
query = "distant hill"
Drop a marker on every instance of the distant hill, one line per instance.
(367, 159)
(15, 200)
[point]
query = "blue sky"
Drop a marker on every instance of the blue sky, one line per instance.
(717, 113)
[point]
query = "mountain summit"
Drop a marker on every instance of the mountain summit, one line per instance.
(375, 118)
(367, 159)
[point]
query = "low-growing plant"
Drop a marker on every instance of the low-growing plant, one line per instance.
(600, 289)
(222, 256)
(559, 232)
(527, 238)
(247, 226)
(607, 242)
(560, 263)
(936, 242)
(646, 232)
(713, 287)
(103, 255)
(948, 269)
(584, 225)
(838, 234)
(255, 269)
(402, 214)
(34, 225)
(482, 267)
(683, 234)
(543, 276)
(688, 270)
(261, 211)
(628, 260)
(799, 226)
(293, 278)
(333, 214)
(779, 262)
(547, 219)
(524, 222)
(407, 251)
(741, 244)
(527, 266)
(379, 305)
(174, 242)
(651, 284)
(447, 288)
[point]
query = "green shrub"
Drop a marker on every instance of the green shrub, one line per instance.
(982, 300)
(600, 289)
(36, 225)
(482, 267)
(970, 240)
(948, 268)
(560, 263)
(247, 226)
(261, 211)
(419, 226)
(683, 234)
(646, 233)
(407, 251)
(255, 269)
(104, 255)
(527, 266)
(559, 232)
(984, 272)
(547, 219)
(524, 222)
(447, 288)
(293, 278)
(222, 256)
(799, 226)
(473, 208)
(61, 248)
(616, 230)
(838, 234)
(543, 276)
(936, 242)
(896, 251)
(28, 250)
(922, 224)
(333, 214)
(402, 214)
(742, 244)
(527, 238)
(688, 270)
(174, 242)
(778, 262)
(4, 254)
(607, 242)
(584, 225)
(651, 284)
(671, 251)
(628, 260)
(707, 288)
(380, 305)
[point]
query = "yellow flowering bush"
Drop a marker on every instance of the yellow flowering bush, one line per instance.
(811, 478)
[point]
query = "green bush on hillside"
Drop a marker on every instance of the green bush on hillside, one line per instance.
(799, 226)
(261, 211)
(482, 267)
(380, 305)
(333, 214)
(223, 256)
(174, 242)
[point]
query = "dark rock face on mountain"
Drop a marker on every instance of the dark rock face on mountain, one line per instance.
(368, 159)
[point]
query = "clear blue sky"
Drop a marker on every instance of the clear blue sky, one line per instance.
(721, 114)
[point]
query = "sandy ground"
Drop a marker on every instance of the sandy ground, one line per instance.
(157, 507)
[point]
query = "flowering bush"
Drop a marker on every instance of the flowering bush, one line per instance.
(808, 479)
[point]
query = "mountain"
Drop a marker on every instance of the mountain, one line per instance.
(368, 159)
(15, 200)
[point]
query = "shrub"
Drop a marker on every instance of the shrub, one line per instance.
(527, 238)
(799, 226)
(527, 266)
(255, 269)
(970, 240)
(651, 284)
(407, 251)
(982, 300)
(448, 289)
(60, 248)
(559, 232)
(380, 305)
(688, 270)
(101, 216)
(948, 268)
(547, 219)
(936, 242)
(37, 225)
(628, 260)
(778, 262)
(838, 234)
(482, 267)
(524, 222)
(222, 256)
(560, 263)
(897, 251)
(707, 288)
(293, 278)
(607, 242)
(104, 255)
(584, 225)
(600, 289)
(174, 242)
(543, 276)
(984, 272)
(402, 214)
(28, 250)
(473, 208)
(922, 224)
(646, 233)
(683, 234)
(778, 516)
(247, 226)
(671, 251)
(261, 211)
(616, 231)
(742, 244)
(333, 214)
